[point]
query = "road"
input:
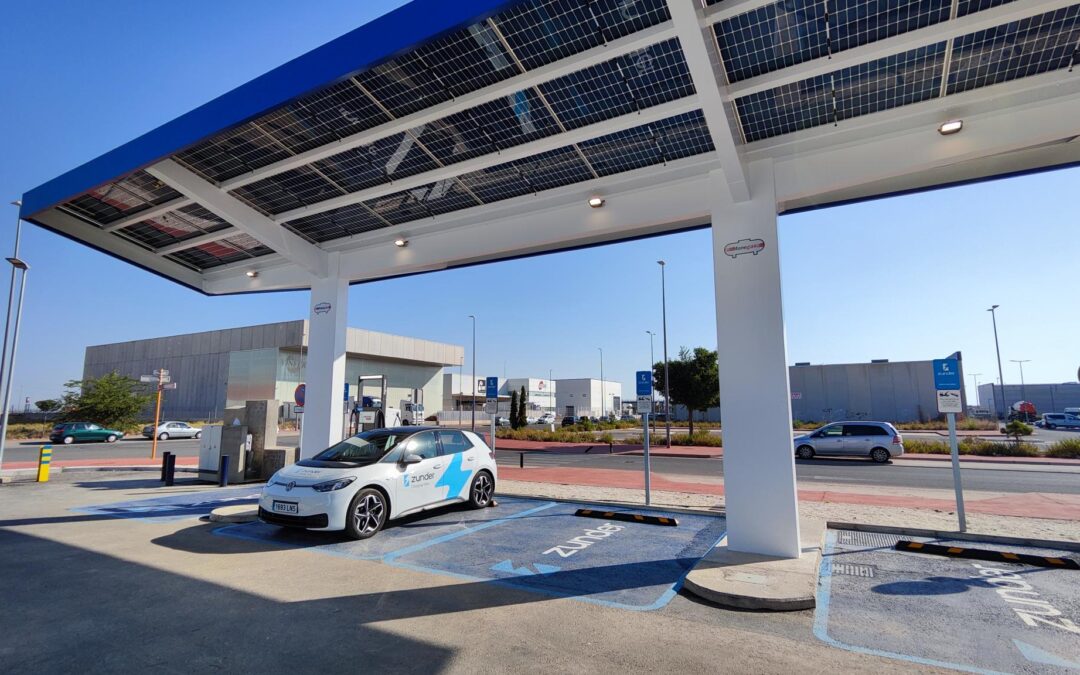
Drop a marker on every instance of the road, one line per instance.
(999, 478)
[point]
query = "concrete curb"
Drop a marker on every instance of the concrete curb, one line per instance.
(235, 514)
(14, 474)
(959, 536)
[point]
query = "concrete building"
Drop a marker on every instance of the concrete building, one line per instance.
(1046, 397)
(586, 396)
(540, 394)
(458, 392)
(221, 368)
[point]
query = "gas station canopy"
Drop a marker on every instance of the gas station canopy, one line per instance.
(478, 130)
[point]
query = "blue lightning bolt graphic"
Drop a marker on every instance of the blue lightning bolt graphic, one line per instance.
(454, 478)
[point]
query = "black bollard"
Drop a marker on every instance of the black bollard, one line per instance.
(223, 472)
(170, 469)
(521, 460)
(164, 463)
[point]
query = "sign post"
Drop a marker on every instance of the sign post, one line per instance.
(644, 407)
(491, 386)
(947, 384)
(161, 377)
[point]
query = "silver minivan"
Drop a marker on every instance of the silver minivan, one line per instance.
(877, 440)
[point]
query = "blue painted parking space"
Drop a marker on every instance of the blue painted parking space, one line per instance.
(533, 545)
(966, 614)
(177, 506)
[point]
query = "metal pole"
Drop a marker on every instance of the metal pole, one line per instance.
(975, 378)
(667, 378)
(955, 451)
(1023, 389)
(157, 417)
(11, 364)
(473, 427)
(645, 448)
(603, 394)
(652, 362)
(1001, 376)
(460, 385)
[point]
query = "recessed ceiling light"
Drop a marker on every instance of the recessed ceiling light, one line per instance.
(596, 202)
(950, 127)
(252, 274)
(401, 243)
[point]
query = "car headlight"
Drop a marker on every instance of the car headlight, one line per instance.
(331, 485)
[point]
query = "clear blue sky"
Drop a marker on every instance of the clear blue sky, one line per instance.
(905, 278)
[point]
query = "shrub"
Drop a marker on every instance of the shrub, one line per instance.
(972, 446)
(1068, 448)
(1016, 429)
(698, 439)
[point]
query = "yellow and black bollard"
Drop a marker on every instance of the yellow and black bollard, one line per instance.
(44, 460)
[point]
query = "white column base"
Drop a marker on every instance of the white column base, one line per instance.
(755, 395)
(325, 363)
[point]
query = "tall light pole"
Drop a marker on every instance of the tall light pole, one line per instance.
(460, 388)
(603, 394)
(16, 263)
(551, 392)
(667, 378)
(1021, 362)
(11, 294)
(975, 377)
(473, 427)
(1001, 376)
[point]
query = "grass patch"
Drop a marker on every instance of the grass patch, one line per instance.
(558, 436)
(704, 439)
(973, 446)
(1068, 448)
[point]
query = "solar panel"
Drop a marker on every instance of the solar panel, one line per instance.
(323, 117)
(174, 226)
(636, 81)
(886, 83)
(856, 22)
(215, 254)
(232, 153)
(422, 202)
(490, 127)
(289, 190)
(342, 222)
(391, 158)
(658, 143)
(965, 7)
(545, 171)
(1019, 49)
(772, 37)
(542, 31)
(127, 196)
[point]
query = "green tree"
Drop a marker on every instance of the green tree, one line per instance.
(112, 400)
(513, 410)
(523, 410)
(48, 405)
(695, 380)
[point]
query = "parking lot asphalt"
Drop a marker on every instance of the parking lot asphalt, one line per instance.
(967, 614)
(103, 575)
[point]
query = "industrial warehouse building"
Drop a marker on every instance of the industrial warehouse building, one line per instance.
(892, 391)
(1045, 397)
(218, 369)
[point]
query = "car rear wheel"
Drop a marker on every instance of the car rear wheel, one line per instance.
(804, 452)
(68, 440)
(483, 490)
(879, 455)
(111, 438)
(163, 436)
(367, 514)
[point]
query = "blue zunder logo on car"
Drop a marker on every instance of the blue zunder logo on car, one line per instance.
(454, 478)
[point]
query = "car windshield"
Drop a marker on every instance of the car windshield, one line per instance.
(369, 446)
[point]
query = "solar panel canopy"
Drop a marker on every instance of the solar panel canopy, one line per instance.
(477, 130)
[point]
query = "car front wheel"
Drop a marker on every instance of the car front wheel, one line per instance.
(879, 455)
(483, 490)
(1049, 426)
(198, 434)
(367, 514)
(111, 438)
(805, 452)
(68, 440)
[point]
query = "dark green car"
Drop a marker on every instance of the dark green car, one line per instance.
(83, 432)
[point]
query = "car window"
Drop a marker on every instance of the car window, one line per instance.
(453, 442)
(424, 445)
(93, 427)
(368, 446)
(832, 432)
(78, 427)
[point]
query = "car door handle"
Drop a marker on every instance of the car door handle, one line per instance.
(437, 466)
(470, 459)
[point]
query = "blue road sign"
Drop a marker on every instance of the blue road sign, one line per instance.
(946, 374)
(644, 383)
(493, 387)
(346, 392)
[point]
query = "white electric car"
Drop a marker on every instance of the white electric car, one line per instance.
(375, 476)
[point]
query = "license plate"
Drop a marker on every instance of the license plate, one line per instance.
(286, 507)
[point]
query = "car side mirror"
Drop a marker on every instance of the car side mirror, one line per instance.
(411, 458)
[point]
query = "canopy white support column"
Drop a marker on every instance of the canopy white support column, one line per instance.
(755, 395)
(325, 368)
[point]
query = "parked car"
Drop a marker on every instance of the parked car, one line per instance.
(530, 420)
(83, 432)
(502, 421)
(877, 440)
(627, 417)
(167, 430)
(1055, 420)
(546, 418)
(362, 482)
(569, 421)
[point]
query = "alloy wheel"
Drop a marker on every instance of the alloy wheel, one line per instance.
(482, 490)
(368, 515)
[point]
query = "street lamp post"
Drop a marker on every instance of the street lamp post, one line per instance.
(1001, 376)
(473, 427)
(11, 295)
(603, 394)
(975, 378)
(460, 388)
(551, 392)
(1021, 362)
(18, 264)
(652, 361)
(667, 378)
